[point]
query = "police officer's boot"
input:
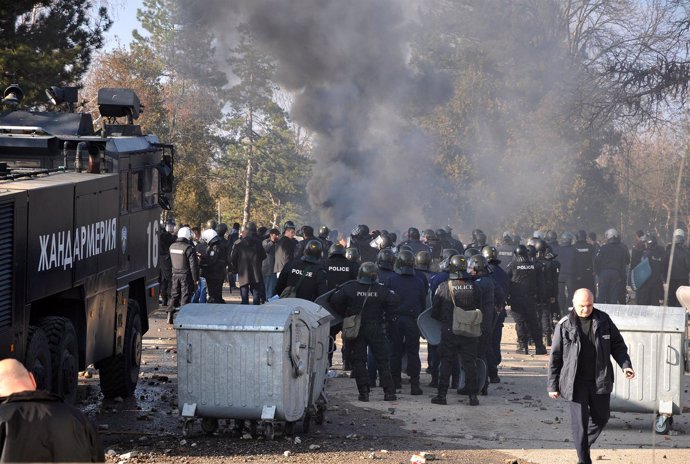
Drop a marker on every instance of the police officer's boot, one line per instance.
(389, 396)
(171, 315)
(397, 382)
(415, 389)
(540, 349)
(363, 393)
(485, 388)
(434, 381)
(522, 347)
(474, 401)
(440, 397)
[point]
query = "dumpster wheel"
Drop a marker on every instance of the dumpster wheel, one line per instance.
(289, 428)
(663, 424)
(187, 427)
(209, 425)
(269, 431)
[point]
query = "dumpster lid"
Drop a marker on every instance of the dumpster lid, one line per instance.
(234, 317)
(320, 314)
(646, 318)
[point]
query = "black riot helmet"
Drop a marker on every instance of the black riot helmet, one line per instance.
(566, 239)
(361, 231)
(386, 259)
(422, 260)
(477, 264)
(540, 248)
(211, 224)
(336, 250)
(532, 252)
(288, 225)
(404, 263)
(490, 253)
(469, 252)
(440, 233)
(481, 239)
(413, 233)
(457, 267)
(521, 253)
(532, 242)
(324, 231)
(446, 253)
(385, 241)
(475, 234)
(404, 248)
(313, 251)
(368, 273)
(551, 236)
(222, 229)
(516, 239)
(580, 236)
(394, 238)
(352, 254)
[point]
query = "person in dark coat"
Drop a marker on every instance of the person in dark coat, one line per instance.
(268, 264)
(583, 265)
(580, 368)
(459, 291)
(166, 239)
(505, 251)
(285, 248)
(37, 426)
(610, 265)
(245, 260)
(338, 271)
(414, 242)
(374, 302)
(477, 267)
(526, 289)
(566, 276)
(403, 330)
(680, 265)
(185, 270)
(501, 291)
(652, 291)
(305, 275)
(213, 265)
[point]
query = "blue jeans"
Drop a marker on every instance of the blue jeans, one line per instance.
(270, 282)
(255, 289)
(200, 294)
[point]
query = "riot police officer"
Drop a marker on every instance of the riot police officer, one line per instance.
(185, 270)
(526, 289)
(583, 265)
(422, 265)
(652, 290)
(324, 231)
(352, 254)
(403, 331)
(505, 251)
(374, 302)
(610, 265)
(414, 242)
(458, 291)
(566, 276)
(360, 238)
(548, 267)
(477, 267)
(339, 270)
(166, 239)
(679, 263)
(501, 289)
(305, 275)
(213, 265)
(385, 260)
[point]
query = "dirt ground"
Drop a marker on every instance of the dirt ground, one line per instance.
(516, 422)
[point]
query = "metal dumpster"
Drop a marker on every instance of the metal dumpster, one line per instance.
(247, 362)
(657, 339)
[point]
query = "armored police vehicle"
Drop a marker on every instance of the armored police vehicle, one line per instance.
(79, 225)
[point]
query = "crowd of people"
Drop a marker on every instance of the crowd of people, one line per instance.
(390, 283)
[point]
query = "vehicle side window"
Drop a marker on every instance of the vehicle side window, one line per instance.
(136, 191)
(150, 187)
(124, 193)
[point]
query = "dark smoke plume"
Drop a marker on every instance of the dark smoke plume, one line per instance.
(347, 63)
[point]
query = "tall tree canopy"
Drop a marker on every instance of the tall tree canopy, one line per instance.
(48, 42)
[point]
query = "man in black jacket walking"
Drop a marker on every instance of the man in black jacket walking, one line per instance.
(580, 368)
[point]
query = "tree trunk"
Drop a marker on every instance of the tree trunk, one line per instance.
(250, 170)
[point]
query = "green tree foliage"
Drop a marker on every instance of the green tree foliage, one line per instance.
(48, 43)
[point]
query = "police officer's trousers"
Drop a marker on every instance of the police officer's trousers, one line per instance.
(404, 336)
(182, 289)
(587, 404)
(524, 311)
(166, 282)
(610, 282)
(372, 334)
(449, 348)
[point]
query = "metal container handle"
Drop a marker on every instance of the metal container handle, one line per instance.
(269, 355)
(670, 358)
(189, 353)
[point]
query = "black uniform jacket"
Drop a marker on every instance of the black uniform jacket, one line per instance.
(375, 302)
(312, 276)
(36, 426)
(565, 351)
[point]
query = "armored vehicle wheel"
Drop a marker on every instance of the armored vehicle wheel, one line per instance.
(662, 424)
(37, 359)
(64, 356)
(269, 431)
(209, 425)
(119, 374)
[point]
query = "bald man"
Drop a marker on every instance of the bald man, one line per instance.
(580, 368)
(36, 426)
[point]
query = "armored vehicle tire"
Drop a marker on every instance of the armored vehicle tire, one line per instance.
(64, 356)
(37, 359)
(119, 374)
